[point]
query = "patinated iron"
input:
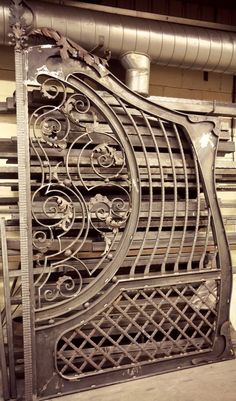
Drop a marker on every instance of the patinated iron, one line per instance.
(125, 265)
(116, 296)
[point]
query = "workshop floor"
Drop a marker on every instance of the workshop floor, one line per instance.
(215, 382)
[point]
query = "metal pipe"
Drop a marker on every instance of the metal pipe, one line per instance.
(137, 68)
(165, 43)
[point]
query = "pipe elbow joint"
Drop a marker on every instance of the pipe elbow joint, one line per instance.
(137, 66)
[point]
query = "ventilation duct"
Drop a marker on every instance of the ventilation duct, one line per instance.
(137, 68)
(165, 43)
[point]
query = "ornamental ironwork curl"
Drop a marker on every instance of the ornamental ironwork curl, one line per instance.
(103, 157)
(66, 204)
(113, 212)
(68, 283)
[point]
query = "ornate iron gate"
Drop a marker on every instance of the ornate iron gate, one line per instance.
(131, 268)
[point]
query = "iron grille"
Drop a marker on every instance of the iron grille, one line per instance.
(139, 327)
(130, 272)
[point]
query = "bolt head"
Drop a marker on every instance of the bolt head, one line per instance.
(67, 182)
(68, 252)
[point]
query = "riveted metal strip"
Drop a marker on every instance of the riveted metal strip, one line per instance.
(25, 225)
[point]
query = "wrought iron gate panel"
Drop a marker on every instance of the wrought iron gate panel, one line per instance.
(130, 257)
(58, 181)
(163, 322)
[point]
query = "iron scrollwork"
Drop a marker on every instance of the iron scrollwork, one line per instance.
(58, 203)
(130, 255)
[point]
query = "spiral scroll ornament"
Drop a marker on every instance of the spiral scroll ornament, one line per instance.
(84, 189)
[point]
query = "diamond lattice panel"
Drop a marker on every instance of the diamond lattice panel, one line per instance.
(142, 326)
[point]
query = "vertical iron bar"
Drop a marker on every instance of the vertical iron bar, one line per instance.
(25, 225)
(6, 282)
(208, 228)
(175, 196)
(162, 193)
(186, 198)
(3, 364)
(148, 167)
(189, 266)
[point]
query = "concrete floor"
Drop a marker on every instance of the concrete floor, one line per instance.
(215, 382)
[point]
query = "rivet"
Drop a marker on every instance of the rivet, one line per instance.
(67, 252)
(67, 182)
(86, 305)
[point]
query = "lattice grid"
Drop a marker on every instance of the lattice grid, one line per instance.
(142, 326)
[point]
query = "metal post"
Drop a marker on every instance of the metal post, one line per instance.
(19, 38)
(25, 225)
(7, 295)
(3, 364)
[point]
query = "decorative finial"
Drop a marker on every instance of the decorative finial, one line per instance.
(17, 23)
